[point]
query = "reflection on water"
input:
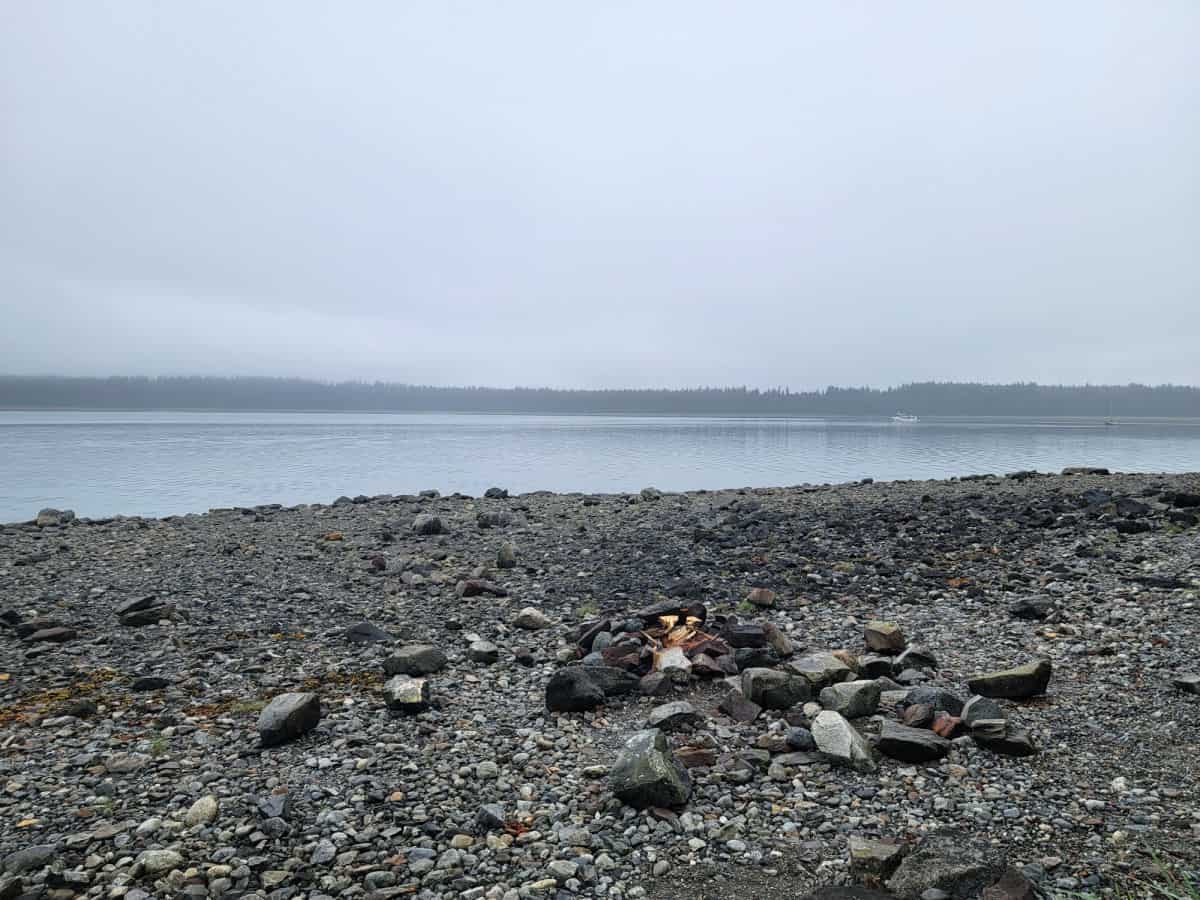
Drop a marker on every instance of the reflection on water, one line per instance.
(165, 463)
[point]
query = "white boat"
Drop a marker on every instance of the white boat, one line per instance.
(905, 418)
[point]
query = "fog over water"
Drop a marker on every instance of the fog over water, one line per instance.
(623, 194)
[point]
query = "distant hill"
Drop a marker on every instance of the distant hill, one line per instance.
(294, 394)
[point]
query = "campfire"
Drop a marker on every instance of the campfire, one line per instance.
(677, 639)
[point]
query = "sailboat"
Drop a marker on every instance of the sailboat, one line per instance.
(905, 418)
(1109, 421)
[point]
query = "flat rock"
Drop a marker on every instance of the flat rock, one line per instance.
(1028, 680)
(821, 669)
(911, 744)
(647, 774)
(675, 716)
(735, 705)
(572, 690)
(1011, 742)
(839, 742)
(288, 716)
(415, 659)
(484, 652)
(29, 859)
(870, 858)
(366, 633)
(1189, 684)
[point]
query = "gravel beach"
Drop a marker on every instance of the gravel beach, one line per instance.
(350, 699)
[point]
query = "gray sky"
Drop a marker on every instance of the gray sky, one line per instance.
(641, 194)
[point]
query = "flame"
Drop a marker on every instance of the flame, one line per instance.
(671, 633)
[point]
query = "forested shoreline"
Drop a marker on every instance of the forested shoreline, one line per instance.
(295, 394)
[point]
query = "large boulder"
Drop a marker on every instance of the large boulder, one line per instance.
(874, 859)
(773, 689)
(911, 744)
(428, 524)
(613, 681)
(949, 861)
(288, 716)
(647, 773)
(415, 659)
(841, 744)
(1028, 680)
(853, 699)
(572, 690)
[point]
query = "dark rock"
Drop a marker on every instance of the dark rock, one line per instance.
(366, 633)
(613, 681)
(477, 586)
(918, 715)
(1189, 684)
(288, 716)
(647, 773)
(754, 658)
(496, 493)
(853, 699)
(150, 683)
(1028, 680)
(915, 658)
(150, 615)
(686, 587)
(852, 892)
(275, 805)
(773, 689)
(1031, 608)
(873, 665)
(33, 626)
(415, 659)
(651, 614)
(800, 739)
(677, 716)
(572, 690)
(1014, 742)
(656, 684)
(872, 859)
(949, 861)
(136, 604)
(29, 859)
(737, 707)
(936, 698)
(428, 524)
(484, 652)
(1132, 526)
(978, 709)
(913, 745)
(1013, 885)
(490, 817)
(742, 635)
(52, 636)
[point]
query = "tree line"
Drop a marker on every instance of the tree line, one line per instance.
(295, 394)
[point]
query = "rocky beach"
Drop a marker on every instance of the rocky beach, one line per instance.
(988, 686)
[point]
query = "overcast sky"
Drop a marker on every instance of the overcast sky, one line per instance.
(613, 194)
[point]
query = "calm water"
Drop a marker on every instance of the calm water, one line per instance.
(164, 463)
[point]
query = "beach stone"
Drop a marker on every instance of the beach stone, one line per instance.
(490, 817)
(1189, 684)
(676, 716)
(203, 811)
(484, 652)
(415, 659)
(735, 705)
(915, 658)
(884, 637)
(821, 669)
(841, 744)
(951, 861)
(135, 604)
(427, 524)
(506, 556)
(847, 892)
(800, 740)
(774, 689)
(1031, 608)
(853, 699)
(47, 518)
(647, 773)
(149, 683)
(613, 681)
(366, 633)
(1028, 680)
(406, 694)
(978, 709)
(936, 698)
(874, 665)
(918, 715)
(762, 597)
(150, 615)
(1013, 885)
(29, 859)
(52, 636)
(1011, 742)
(156, 862)
(288, 716)
(911, 744)
(874, 859)
(572, 690)
(778, 641)
(531, 619)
